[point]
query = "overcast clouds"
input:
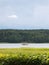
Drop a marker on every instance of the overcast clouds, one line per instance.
(24, 14)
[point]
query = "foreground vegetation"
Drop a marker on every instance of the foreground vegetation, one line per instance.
(28, 36)
(24, 56)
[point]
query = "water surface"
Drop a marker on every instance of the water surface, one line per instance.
(19, 45)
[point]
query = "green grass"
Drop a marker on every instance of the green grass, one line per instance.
(24, 56)
(24, 50)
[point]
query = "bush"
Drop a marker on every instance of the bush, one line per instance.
(22, 59)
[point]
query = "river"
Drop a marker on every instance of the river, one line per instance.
(21, 45)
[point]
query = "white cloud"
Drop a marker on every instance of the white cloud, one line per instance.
(13, 16)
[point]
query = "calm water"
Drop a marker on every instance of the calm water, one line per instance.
(13, 45)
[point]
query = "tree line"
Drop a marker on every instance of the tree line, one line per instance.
(26, 36)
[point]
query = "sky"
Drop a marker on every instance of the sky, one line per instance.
(24, 14)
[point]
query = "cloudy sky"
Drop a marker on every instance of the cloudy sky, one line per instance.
(24, 14)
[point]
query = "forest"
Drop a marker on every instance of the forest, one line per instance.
(24, 36)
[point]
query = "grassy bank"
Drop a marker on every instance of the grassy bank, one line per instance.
(24, 56)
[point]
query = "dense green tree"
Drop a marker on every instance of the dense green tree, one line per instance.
(30, 36)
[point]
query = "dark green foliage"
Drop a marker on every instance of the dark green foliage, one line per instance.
(19, 36)
(21, 60)
(24, 56)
